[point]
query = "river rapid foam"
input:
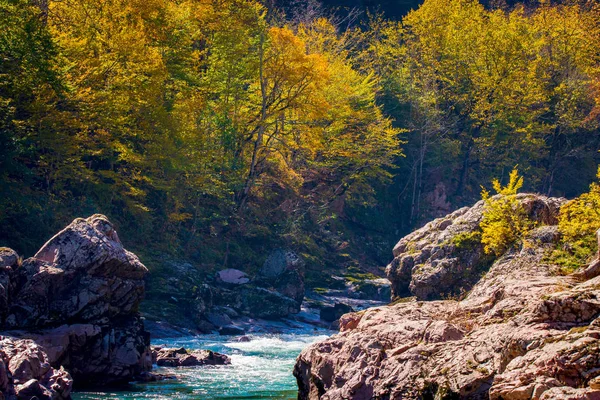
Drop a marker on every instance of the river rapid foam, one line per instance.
(260, 369)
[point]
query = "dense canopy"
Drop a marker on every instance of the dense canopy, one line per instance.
(217, 129)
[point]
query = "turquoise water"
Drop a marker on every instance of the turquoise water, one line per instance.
(260, 369)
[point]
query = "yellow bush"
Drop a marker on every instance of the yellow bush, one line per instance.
(504, 219)
(578, 222)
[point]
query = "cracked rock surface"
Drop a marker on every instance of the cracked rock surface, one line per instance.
(75, 302)
(522, 332)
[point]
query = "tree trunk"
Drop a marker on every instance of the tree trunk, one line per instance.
(261, 128)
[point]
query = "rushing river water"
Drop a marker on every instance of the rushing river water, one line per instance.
(260, 369)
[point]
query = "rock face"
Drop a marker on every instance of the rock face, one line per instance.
(25, 372)
(446, 257)
(78, 298)
(168, 357)
(258, 302)
(523, 331)
(275, 292)
(283, 271)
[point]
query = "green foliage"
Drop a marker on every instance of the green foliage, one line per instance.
(466, 241)
(504, 220)
(195, 126)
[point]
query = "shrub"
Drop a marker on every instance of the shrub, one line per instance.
(504, 218)
(578, 222)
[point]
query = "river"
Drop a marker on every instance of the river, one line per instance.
(260, 369)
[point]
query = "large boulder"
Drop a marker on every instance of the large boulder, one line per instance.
(523, 332)
(82, 274)
(96, 354)
(78, 298)
(280, 261)
(8, 258)
(446, 258)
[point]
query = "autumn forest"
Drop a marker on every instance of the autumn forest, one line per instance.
(215, 130)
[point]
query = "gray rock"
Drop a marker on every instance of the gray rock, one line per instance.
(106, 354)
(283, 271)
(233, 276)
(446, 257)
(279, 261)
(82, 274)
(8, 258)
(218, 319)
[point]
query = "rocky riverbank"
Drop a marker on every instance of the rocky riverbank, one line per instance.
(523, 331)
(69, 315)
(185, 300)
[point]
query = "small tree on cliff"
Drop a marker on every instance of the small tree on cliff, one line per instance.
(504, 218)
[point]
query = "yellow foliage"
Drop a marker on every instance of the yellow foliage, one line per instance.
(504, 219)
(578, 222)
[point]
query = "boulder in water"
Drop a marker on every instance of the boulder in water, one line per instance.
(173, 357)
